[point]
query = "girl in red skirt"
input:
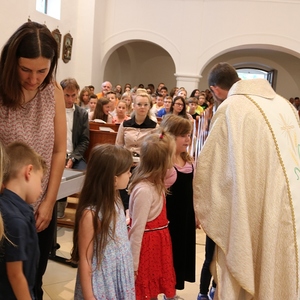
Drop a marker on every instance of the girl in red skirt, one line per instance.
(149, 234)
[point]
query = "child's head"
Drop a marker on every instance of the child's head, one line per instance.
(108, 171)
(159, 100)
(84, 95)
(113, 99)
(202, 98)
(193, 103)
(128, 99)
(102, 109)
(106, 163)
(26, 166)
(156, 156)
(121, 108)
(93, 102)
(181, 128)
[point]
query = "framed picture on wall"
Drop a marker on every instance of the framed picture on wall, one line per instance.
(67, 48)
(57, 35)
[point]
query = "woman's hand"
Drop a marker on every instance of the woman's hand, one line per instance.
(43, 215)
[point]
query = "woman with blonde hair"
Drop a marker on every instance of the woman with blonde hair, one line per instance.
(132, 132)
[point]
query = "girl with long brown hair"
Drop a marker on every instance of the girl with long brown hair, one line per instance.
(101, 245)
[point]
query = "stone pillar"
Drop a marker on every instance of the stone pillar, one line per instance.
(188, 81)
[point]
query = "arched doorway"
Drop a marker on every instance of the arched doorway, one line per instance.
(140, 62)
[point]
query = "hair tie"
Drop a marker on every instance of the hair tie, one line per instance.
(161, 136)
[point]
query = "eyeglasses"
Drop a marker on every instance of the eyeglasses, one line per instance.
(178, 104)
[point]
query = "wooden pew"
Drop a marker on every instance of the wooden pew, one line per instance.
(96, 125)
(99, 137)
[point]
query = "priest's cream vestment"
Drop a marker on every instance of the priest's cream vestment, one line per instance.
(247, 194)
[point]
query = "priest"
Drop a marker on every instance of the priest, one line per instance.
(247, 189)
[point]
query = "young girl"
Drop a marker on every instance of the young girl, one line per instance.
(180, 209)
(84, 98)
(121, 113)
(101, 245)
(149, 234)
(128, 100)
(102, 111)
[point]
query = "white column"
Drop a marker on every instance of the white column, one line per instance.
(188, 81)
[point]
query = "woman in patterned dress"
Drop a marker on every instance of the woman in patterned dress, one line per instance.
(101, 244)
(32, 110)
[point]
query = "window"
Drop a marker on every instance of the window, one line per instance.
(252, 73)
(49, 7)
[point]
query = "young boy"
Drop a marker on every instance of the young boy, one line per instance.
(113, 102)
(194, 108)
(19, 254)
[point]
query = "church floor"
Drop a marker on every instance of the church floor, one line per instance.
(59, 279)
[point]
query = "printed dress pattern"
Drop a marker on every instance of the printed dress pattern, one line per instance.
(114, 278)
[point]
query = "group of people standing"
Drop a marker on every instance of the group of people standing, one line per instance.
(243, 192)
(33, 114)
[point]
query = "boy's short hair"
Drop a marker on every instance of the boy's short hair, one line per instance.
(93, 96)
(193, 100)
(20, 155)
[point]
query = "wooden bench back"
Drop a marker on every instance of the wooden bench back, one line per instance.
(96, 125)
(99, 137)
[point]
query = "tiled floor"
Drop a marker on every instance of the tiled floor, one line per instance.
(59, 279)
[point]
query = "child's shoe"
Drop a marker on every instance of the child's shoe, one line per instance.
(202, 297)
(211, 293)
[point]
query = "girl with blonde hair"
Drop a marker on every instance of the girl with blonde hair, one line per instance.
(149, 234)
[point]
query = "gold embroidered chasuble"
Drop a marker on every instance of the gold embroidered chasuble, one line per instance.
(247, 194)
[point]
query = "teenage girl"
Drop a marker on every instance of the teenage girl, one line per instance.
(84, 98)
(180, 208)
(101, 245)
(102, 111)
(149, 233)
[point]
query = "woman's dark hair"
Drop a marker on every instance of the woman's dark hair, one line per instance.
(194, 92)
(31, 40)
(183, 112)
(98, 113)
